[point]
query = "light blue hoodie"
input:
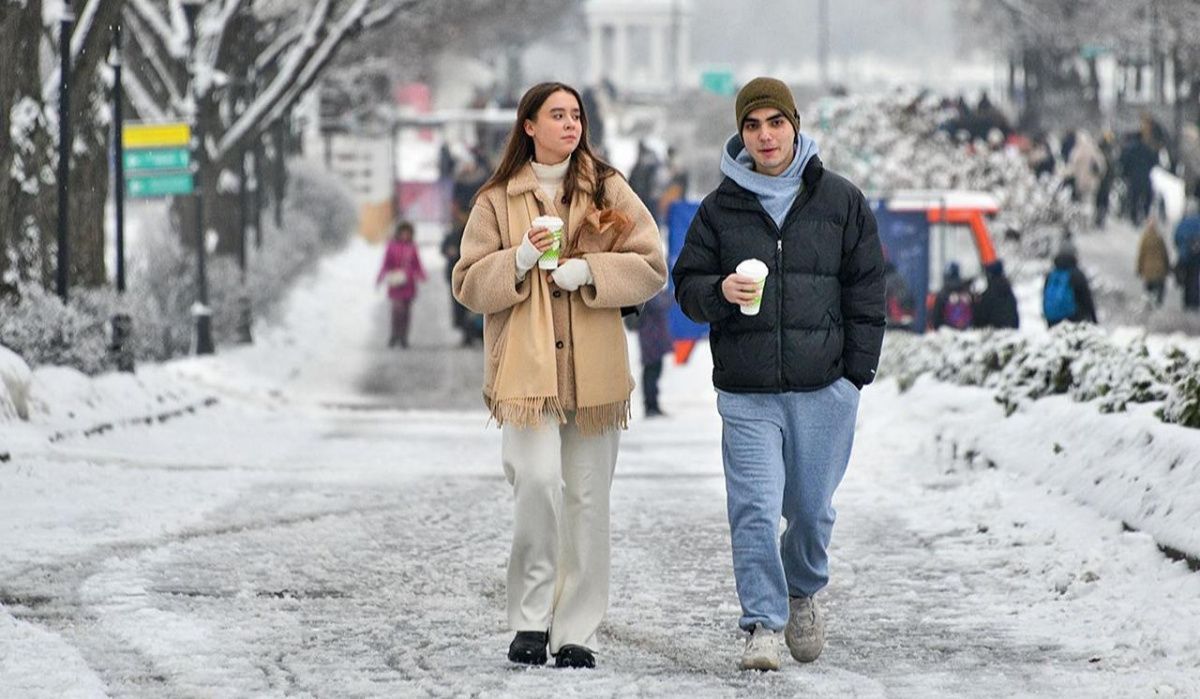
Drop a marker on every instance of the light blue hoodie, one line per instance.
(775, 193)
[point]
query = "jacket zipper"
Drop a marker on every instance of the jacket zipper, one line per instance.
(779, 312)
(808, 197)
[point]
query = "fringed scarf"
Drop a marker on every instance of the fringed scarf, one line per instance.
(526, 387)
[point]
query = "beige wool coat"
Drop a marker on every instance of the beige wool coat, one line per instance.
(485, 278)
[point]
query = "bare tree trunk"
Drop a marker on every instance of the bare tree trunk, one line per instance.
(91, 100)
(1031, 59)
(1012, 79)
(20, 98)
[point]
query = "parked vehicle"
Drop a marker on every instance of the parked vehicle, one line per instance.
(923, 232)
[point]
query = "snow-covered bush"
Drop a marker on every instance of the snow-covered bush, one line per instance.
(1182, 406)
(42, 330)
(1079, 360)
(319, 216)
(15, 378)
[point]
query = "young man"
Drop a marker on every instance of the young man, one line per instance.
(787, 378)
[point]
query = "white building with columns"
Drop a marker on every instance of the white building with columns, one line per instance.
(641, 46)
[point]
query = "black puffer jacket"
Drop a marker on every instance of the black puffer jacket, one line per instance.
(822, 311)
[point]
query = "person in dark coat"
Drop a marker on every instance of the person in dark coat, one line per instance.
(790, 355)
(997, 305)
(954, 304)
(654, 342)
(1085, 308)
(471, 174)
(1138, 158)
(1187, 255)
(643, 178)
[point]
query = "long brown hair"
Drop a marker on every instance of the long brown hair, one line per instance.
(519, 150)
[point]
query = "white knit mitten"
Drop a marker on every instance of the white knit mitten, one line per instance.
(527, 256)
(572, 274)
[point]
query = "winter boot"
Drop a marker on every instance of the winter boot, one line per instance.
(805, 632)
(529, 647)
(574, 656)
(762, 650)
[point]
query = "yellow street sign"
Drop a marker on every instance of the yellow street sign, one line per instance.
(156, 135)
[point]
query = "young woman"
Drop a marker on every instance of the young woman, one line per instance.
(401, 271)
(557, 376)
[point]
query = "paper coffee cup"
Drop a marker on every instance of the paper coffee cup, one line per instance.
(756, 270)
(554, 224)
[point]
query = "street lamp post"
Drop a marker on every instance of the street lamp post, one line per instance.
(200, 309)
(66, 27)
(823, 41)
(122, 323)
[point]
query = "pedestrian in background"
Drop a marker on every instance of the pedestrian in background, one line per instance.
(643, 178)
(557, 377)
(997, 305)
(674, 184)
(1187, 255)
(1087, 167)
(654, 343)
(469, 177)
(954, 305)
(402, 272)
(1153, 262)
(1138, 158)
(790, 352)
(1108, 151)
(1066, 294)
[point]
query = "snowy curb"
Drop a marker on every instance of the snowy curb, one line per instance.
(160, 417)
(54, 403)
(1129, 467)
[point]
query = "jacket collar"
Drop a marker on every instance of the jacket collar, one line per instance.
(735, 196)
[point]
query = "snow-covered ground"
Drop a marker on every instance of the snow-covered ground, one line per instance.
(330, 519)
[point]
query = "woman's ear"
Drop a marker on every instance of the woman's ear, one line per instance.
(528, 127)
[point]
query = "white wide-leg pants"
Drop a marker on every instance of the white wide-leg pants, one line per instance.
(559, 566)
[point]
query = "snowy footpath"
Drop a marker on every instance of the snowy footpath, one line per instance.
(317, 516)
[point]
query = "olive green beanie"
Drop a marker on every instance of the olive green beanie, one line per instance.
(766, 92)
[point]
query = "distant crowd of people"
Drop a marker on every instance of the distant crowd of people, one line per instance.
(1101, 172)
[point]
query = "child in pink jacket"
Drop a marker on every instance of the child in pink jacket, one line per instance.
(401, 271)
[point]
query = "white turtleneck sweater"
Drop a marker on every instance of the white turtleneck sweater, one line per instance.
(550, 177)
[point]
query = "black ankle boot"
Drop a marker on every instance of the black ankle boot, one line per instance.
(574, 656)
(529, 648)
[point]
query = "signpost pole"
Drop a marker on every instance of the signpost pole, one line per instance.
(122, 323)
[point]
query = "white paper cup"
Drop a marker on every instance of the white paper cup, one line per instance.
(756, 270)
(554, 224)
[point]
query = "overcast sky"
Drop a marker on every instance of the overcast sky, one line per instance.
(771, 34)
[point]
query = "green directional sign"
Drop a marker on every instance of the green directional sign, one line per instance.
(718, 81)
(150, 159)
(158, 185)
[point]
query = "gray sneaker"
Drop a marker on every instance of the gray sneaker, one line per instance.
(805, 632)
(762, 650)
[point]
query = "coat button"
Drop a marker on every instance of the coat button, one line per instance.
(557, 294)
(559, 344)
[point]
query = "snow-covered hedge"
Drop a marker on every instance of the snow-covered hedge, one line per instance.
(319, 216)
(15, 378)
(1080, 360)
